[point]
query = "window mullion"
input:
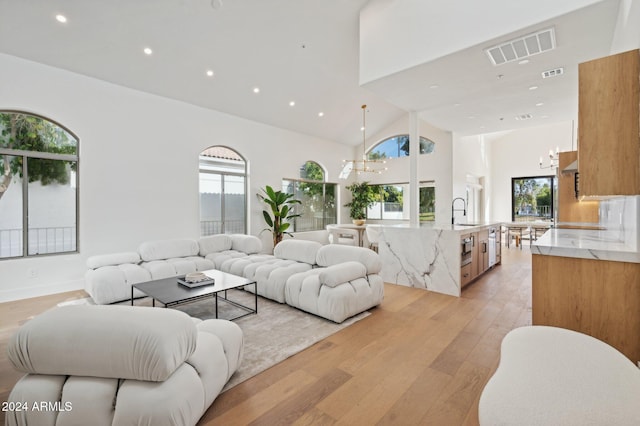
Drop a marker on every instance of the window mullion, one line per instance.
(222, 204)
(25, 207)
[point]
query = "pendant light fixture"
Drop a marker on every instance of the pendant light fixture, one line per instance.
(364, 165)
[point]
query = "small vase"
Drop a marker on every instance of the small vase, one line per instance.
(359, 222)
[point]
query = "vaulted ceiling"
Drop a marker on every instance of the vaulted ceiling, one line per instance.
(303, 56)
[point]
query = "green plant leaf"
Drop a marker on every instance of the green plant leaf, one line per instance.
(270, 193)
(267, 218)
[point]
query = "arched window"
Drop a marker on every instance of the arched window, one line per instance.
(398, 146)
(223, 191)
(38, 186)
(318, 208)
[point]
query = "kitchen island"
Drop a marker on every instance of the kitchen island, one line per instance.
(589, 281)
(429, 256)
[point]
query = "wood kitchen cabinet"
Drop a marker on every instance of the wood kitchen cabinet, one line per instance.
(595, 297)
(475, 256)
(479, 256)
(609, 125)
(465, 274)
(570, 208)
(483, 237)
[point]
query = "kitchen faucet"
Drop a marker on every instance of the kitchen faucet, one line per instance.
(453, 210)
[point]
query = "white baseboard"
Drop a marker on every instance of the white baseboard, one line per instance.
(40, 290)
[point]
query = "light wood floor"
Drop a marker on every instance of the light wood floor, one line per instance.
(421, 358)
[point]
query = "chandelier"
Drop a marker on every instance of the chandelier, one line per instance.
(553, 159)
(365, 165)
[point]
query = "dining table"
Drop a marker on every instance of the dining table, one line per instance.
(531, 228)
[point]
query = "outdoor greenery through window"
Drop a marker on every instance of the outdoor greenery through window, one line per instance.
(398, 146)
(38, 186)
(318, 208)
(392, 203)
(223, 200)
(532, 198)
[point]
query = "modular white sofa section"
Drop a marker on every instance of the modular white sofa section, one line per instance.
(346, 282)
(110, 276)
(128, 366)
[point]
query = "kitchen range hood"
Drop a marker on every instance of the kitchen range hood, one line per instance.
(571, 168)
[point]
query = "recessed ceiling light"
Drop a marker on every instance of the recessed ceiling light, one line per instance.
(61, 18)
(256, 90)
(456, 105)
(147, 51)
(292, 103)
(533, 87)
(209, 73)
(524, 62)
(362, 129)
(434, 86)
(540, 104)
(321, 114)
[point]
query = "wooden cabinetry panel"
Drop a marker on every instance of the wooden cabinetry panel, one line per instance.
(570, 209)
(595, 297)
(609, 125)
(475, 256)
(465, 274)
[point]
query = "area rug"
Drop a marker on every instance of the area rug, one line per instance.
(277, 332)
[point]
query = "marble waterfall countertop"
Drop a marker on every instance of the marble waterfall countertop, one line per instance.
(589, 244)
(425, 256)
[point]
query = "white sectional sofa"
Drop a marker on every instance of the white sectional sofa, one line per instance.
(332, 281)
(119, 365)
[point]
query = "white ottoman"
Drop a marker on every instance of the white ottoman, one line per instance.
(553, 376)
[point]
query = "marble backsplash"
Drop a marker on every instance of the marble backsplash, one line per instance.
(620, 217)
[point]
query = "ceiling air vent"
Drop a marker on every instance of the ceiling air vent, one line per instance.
(522, 47)
(553, 72)
(524, 117)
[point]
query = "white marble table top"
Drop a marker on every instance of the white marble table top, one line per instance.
(587, 244)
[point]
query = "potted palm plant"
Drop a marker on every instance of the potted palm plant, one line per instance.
(362, 197)
(279, 213)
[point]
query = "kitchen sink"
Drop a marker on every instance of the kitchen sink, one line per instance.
(467, 224)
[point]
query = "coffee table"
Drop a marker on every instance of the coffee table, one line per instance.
(170, 293)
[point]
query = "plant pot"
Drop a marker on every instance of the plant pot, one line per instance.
(358, 222)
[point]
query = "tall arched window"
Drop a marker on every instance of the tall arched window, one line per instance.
(38, 186)
(223, 191)
(318, 208)
(398, 146)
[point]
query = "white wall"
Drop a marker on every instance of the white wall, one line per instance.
(397, 35)
(436, 166)
(517, 154)
(139, 165)
(627, 34)
(472, 157)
